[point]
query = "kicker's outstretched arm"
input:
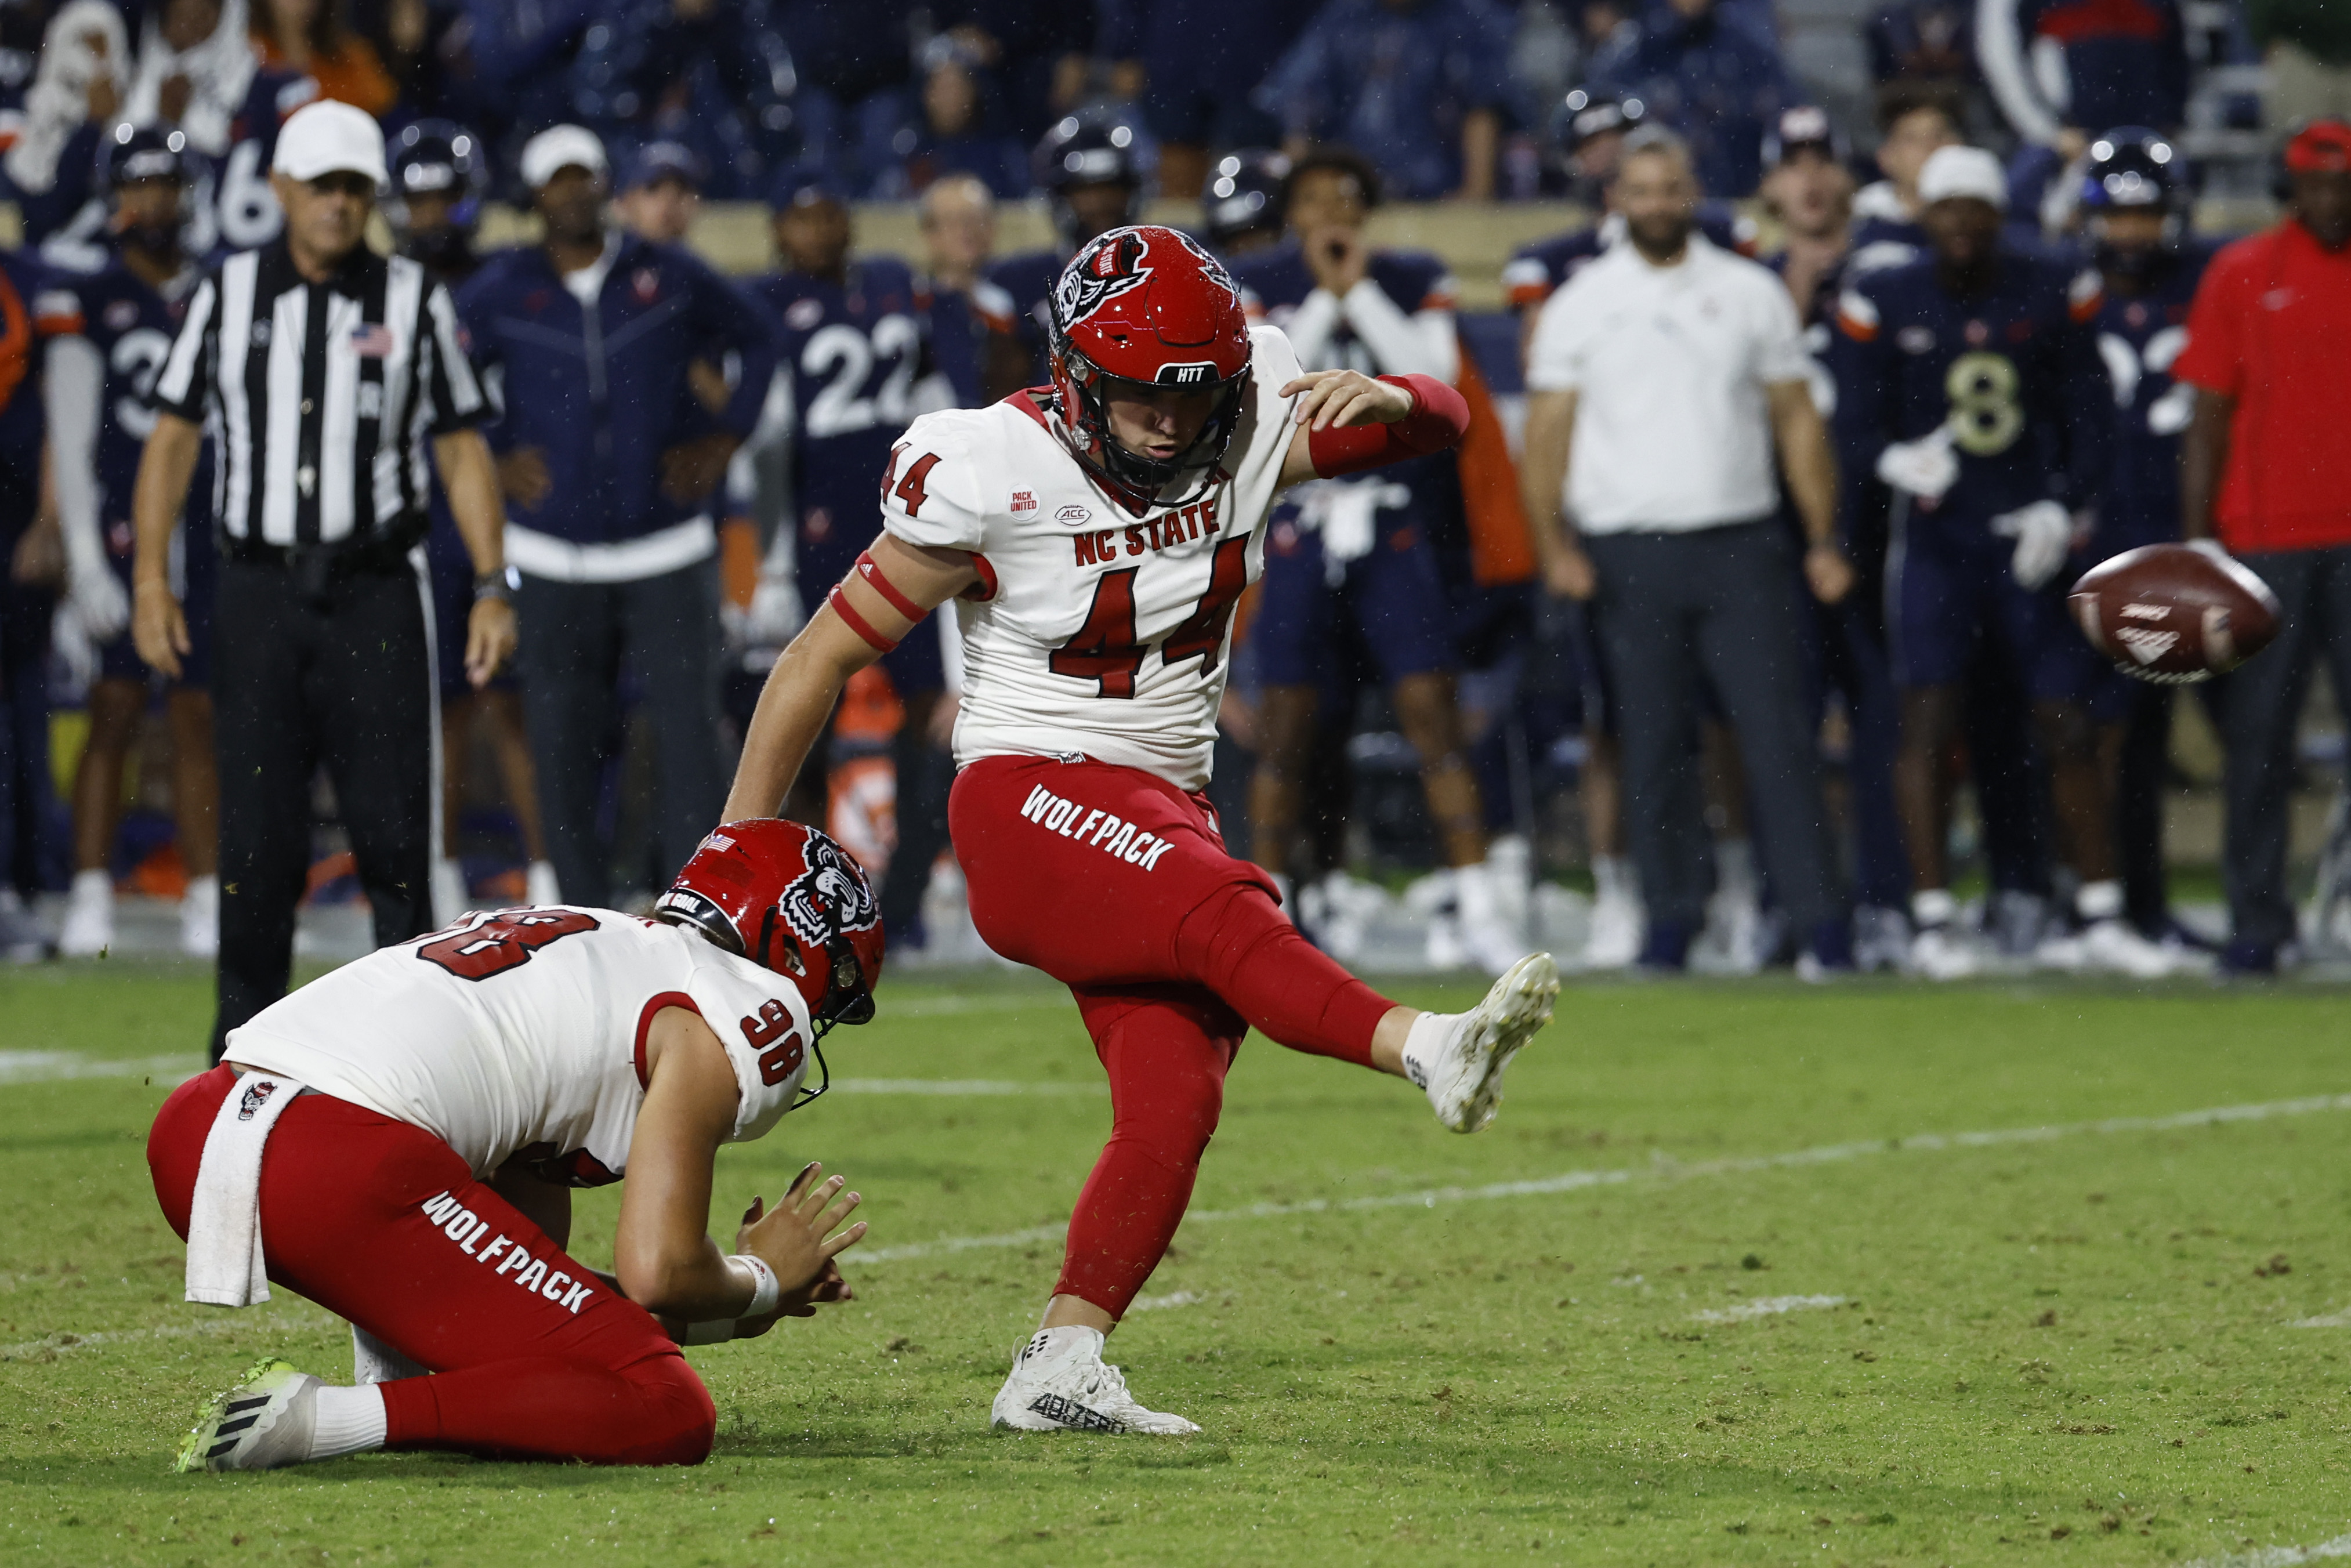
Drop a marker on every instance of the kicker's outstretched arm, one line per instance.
(894, 586)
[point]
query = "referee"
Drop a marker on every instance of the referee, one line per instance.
(317, 369)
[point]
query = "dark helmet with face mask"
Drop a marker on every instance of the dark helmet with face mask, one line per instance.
(2132, 168)
(438, 158)
(133, 155)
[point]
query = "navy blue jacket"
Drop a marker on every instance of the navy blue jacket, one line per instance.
(2140, 335)
(602, 395)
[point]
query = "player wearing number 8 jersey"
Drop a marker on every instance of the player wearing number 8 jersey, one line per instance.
(398, 1140)
(1970, 383)
(1095, 535)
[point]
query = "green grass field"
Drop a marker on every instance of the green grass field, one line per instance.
(1720, 1287)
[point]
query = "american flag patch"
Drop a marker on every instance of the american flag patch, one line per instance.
(372, 341)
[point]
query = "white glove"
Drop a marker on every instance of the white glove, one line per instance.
(96, 595)
(2043, 533)
(69, 637)
(1925, 468)
(773, 617)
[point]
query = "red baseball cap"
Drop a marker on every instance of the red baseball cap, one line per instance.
(2322, 146)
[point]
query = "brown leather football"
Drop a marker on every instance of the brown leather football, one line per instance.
(2174, 614)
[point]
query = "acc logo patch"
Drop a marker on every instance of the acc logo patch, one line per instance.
(1073, 515)
(122, 315)
(804, 314)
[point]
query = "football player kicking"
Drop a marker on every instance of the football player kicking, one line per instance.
(1095, 535)
(398, 1140)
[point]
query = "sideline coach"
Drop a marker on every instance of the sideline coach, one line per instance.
(319, 368)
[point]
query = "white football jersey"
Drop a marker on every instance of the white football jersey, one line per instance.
(1094, 631)
(523, 1030)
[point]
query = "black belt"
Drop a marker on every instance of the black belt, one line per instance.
(313, 565)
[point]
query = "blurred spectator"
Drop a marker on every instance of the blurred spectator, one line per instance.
(2137, 208)
(2055, 66)
(2265, 467)
(1034, 51)
(1924, 40)
(1201, 61)
(421, 44)
(609, 464)
(713, 74)
(516, 62)
(2307, 45)
(1415, 85)
(130, 312)
(855, 69)
(1243, 202)
(312, 39)
(1359, 558)
(661, 195)
(1714, 77)
(1668, 372)
(195, 66)
(957, 131)
(1092, 172)
(1914, 121)
(959, 219)
(82, 83)
(1588, 131)
(851, 359)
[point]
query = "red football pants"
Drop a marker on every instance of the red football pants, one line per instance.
(1116, 884)
(531, 1359)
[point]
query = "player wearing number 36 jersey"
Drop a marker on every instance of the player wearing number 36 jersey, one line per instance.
(398, 1140)
(1095, 535)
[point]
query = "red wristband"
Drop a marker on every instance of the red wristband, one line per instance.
(858, 623)
(1438, 420)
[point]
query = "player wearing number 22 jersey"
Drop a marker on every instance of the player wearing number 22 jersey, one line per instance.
(398, 1142)
(1095, 535)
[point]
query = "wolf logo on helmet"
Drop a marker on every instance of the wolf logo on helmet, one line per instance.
(831, 897)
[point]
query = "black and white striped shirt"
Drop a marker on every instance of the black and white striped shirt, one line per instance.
(319, 397)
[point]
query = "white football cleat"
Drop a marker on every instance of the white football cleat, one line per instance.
(1457, 1059)
(2112, 948)
(200, 918)
(88, 928)
(1942, 953)
(262, 1424)
(1060, 1383)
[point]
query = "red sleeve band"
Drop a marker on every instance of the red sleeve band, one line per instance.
(858, 623)
(881, 585)
(1438, 420)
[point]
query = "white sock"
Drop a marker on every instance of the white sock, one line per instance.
(93, 887)
(1611, 877)
(1935, 906)
(1427, 1038)
(1286, 892)
(1473, 893)
(2099, 900)
(347, 1421)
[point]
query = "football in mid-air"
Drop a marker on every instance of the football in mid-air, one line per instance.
(2174, 614)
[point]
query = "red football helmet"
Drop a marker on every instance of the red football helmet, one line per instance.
(791, 900)
(1147, 307)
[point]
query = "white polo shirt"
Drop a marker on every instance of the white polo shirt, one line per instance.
(1673, 431)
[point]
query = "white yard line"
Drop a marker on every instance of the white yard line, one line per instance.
(56, 1066)
(1665, 1168)
(2339, 1320)
(960, 1086)
(2278, 1556)
(1768, 1306)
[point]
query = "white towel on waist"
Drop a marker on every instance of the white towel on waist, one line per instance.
(224, 1262)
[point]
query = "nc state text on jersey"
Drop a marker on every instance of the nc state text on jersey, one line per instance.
(1096, 546)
